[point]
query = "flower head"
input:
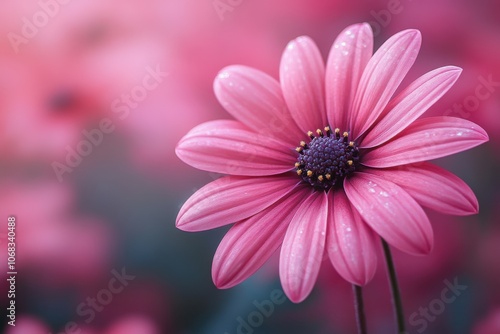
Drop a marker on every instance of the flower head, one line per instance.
(326, 159)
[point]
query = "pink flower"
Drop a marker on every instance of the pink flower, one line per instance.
(362, 172)
(57, 246)
(28, 324)
(131, 323)
(72, 72)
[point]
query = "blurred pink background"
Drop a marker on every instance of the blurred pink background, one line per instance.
(94, 96)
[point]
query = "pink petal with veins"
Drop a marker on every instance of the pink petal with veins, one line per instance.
(426, 139)
(349, 241)
(229, 147)
(231, 199)
(347, 60)
(381, 77)
(302, 77)
(411, 103)
(250, 243)
(303, 248)
(433, 187)
(255, 99)
(391, 212)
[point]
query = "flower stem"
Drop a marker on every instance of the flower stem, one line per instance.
(396, 296)
(360, 311)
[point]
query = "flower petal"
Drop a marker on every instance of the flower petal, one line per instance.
(249, 243)
(348, 57)
(303, 247)
(433, 187)
(426, 139)
(391, 212)
(255, 99)
(350, 242)
(228, 147)
(411, 103)
(231, 199)
(381, 77)
(302, 77)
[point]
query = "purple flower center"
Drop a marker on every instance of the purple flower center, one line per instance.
(327, 159)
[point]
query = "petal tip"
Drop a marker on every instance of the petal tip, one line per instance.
(361, 27)
(299, 42)
(361, 280)
(413, 35)
(295, 297)
(224, 73)
(365, 25)
(304, 39)
(222, 284)
(482, 135)
(414, 32)
(181, 224)
(486, 138)
(452, 70)
(178, 150)
(474, 210)
(229, 71)
(425, 248)
(218, 279)
(429, 248)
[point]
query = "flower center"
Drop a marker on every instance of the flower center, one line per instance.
(327, 159)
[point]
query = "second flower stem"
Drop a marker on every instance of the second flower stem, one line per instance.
(396, 295)
(360, 310)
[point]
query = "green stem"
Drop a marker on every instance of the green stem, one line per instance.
(396, 295)
(360, 310)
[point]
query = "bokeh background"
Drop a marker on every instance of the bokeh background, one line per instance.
(143, 71)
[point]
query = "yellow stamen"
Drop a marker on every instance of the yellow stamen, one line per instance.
(309, 173)
(299, 172)
(328, 176)
(320, 178)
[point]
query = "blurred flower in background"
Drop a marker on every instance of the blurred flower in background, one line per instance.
(105, 90)
(127, 325)
(55, 245)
